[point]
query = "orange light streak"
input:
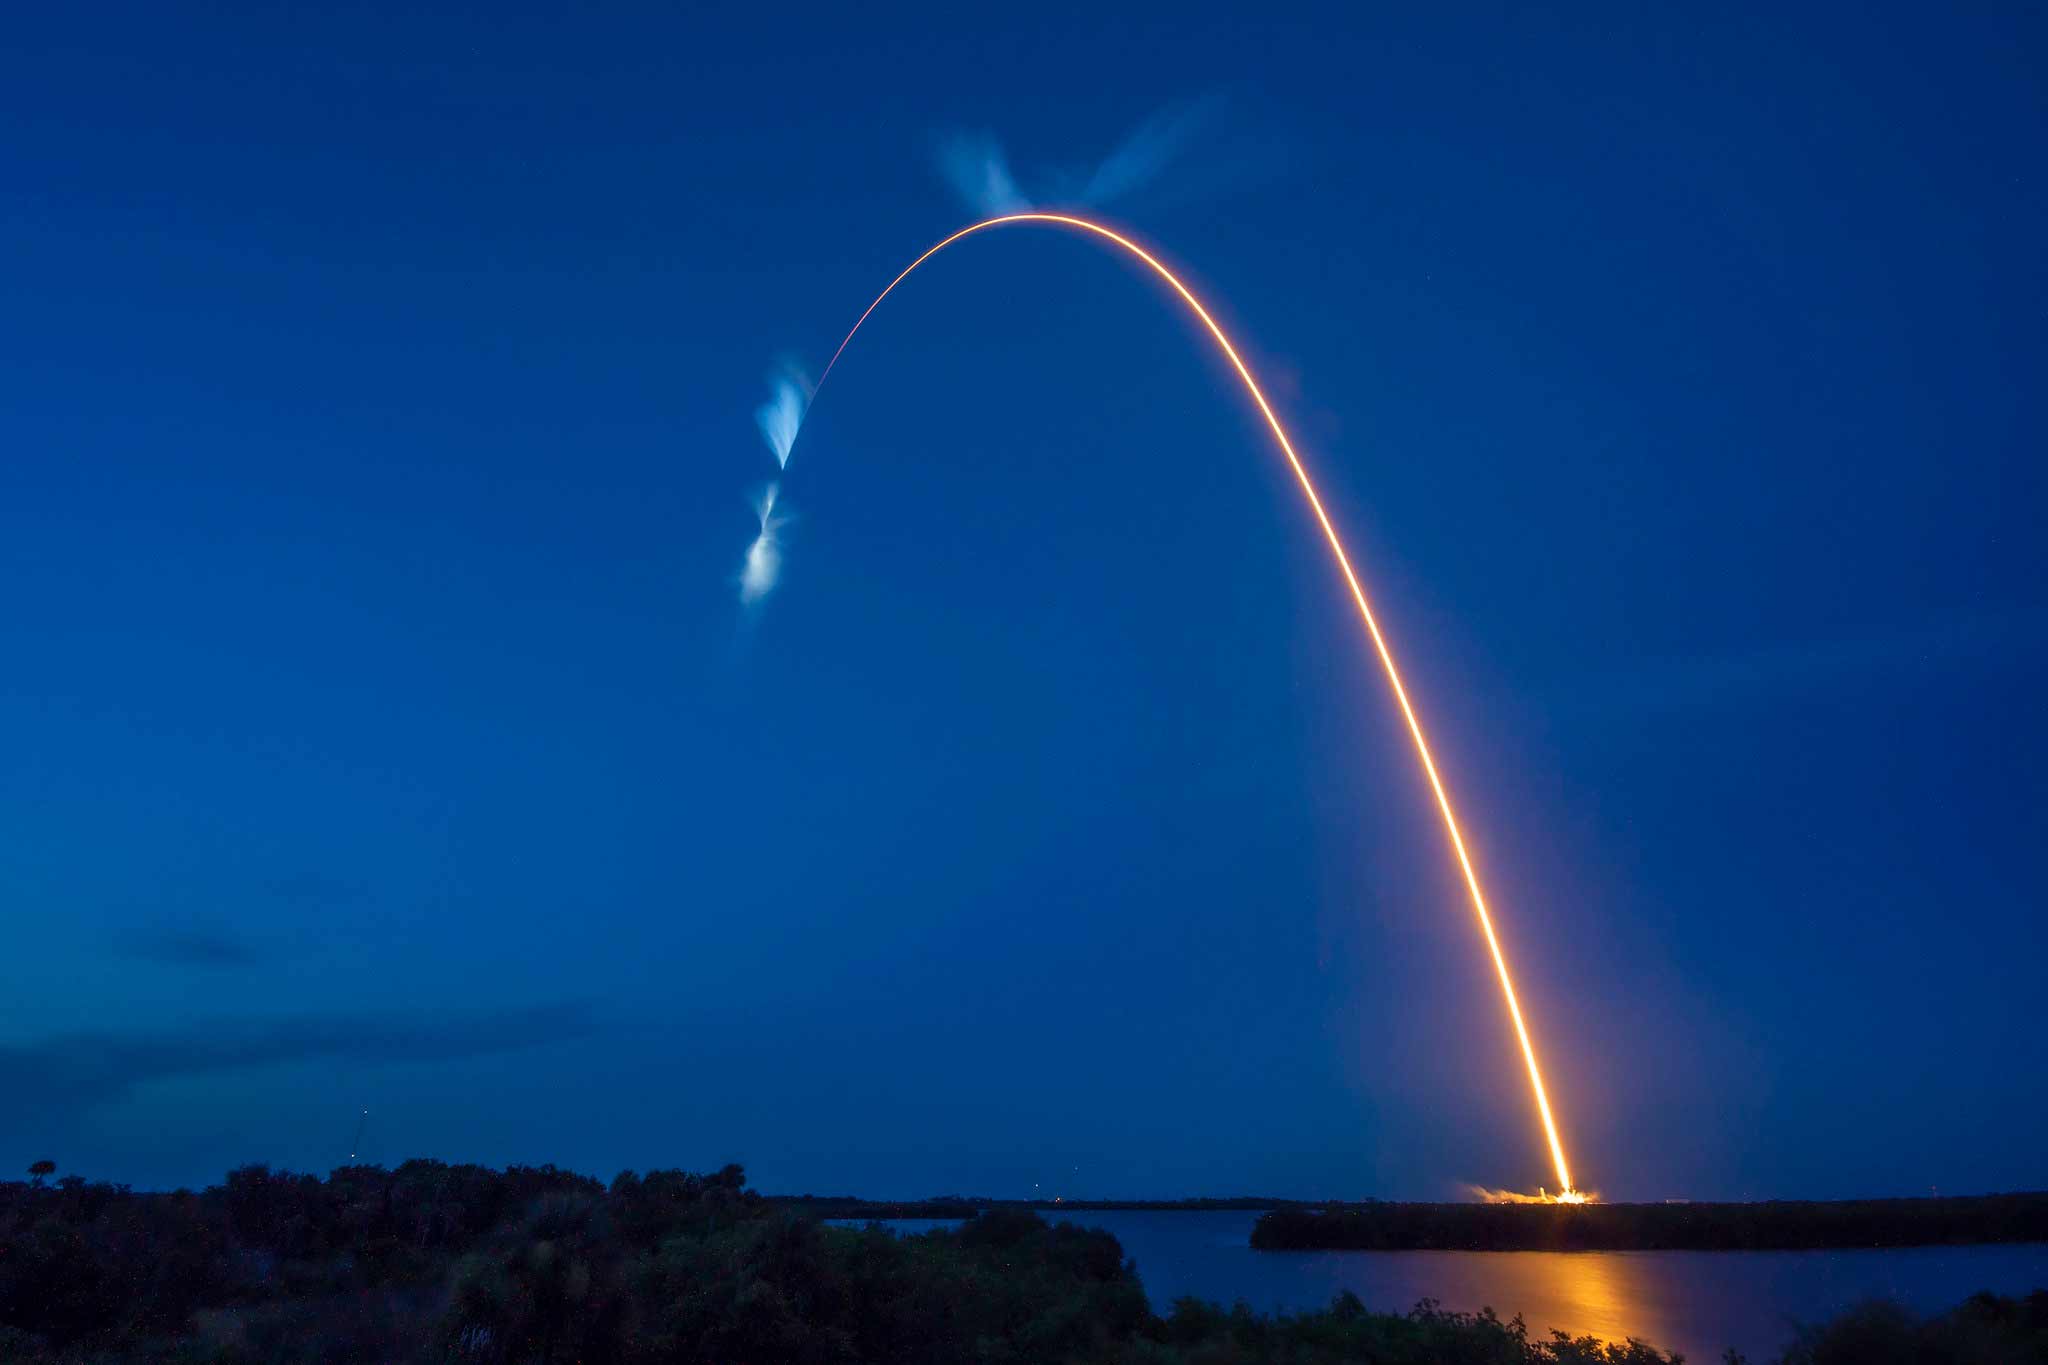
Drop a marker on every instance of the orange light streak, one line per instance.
(1337, 551)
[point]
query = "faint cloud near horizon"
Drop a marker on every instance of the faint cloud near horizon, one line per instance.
(76, 1071)
(193, 927)
(184, 944)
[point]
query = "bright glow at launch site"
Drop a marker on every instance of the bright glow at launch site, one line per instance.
(1568, 1193)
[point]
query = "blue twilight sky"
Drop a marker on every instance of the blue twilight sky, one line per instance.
(380, 728)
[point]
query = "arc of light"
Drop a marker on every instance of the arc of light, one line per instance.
(1337, 552)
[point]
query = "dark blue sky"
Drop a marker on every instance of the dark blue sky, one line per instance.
(379, 727)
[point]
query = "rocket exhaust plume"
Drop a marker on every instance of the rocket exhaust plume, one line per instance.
(978, 169)
(782, 416)
(1568, 1192)
(780, 419)
(763, 564)
(980, 173)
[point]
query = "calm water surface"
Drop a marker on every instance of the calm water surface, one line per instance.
(1698, 1302)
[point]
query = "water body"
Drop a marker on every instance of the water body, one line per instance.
(1698, 1302)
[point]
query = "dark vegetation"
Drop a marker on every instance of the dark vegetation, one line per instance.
(1777, 1226)
(431, 1262)
(537, 1266)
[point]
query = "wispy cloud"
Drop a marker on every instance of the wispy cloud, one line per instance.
(186, 944)
(78, 1070)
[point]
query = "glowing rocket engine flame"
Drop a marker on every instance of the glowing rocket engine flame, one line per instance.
(1487, 1196)
(1337, 551)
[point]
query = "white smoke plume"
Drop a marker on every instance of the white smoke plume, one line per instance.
(979, 170)
(1140, 158)
(780, 419)
(975, 165)
(764, 557)
(782, 416)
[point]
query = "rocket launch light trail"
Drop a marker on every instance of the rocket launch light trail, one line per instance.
(1569, 1193)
